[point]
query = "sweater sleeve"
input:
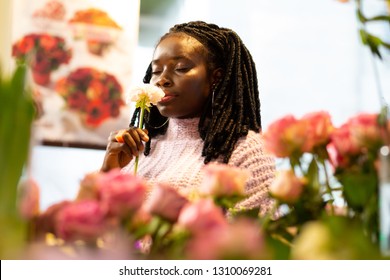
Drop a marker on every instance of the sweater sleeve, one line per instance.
(250, 155)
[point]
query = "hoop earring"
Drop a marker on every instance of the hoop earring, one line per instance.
(214, 86)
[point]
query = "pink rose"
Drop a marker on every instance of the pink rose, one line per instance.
(200, 216)
(287, 187)
(165, 202)
(240, 240)
(342, 146)
(319, 128)
(223, 180)
(29, 199)
(84, 220)
(89, 186)
(365, 131)
(141, 218)
(121, 194)
(46, 221)
(287, 137)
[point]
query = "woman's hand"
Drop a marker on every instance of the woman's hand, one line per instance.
(121, 150)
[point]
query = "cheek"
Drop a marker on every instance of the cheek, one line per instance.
(198, 88)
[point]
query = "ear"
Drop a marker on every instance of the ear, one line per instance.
(216, 76)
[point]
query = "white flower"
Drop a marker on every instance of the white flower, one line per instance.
(145, 95)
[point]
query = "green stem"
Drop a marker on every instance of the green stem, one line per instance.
(270, 215)
(328, 188)
(140, 125)
(382, 100)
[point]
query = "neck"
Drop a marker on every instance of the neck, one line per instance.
(183, 127)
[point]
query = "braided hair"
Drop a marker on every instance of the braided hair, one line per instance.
(234, 106)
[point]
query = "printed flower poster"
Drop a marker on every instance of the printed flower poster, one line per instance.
(80, 56)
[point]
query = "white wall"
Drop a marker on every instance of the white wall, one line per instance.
(308, 57)
(5, 36)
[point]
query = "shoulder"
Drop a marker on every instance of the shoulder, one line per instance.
(250, 155)
(250, 146)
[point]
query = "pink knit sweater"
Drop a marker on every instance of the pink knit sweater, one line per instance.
(176, 158)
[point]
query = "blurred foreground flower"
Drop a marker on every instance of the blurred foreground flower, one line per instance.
(328, 162)
(287, 187)
(165, 202)
(221, 181)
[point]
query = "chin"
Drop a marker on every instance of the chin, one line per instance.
(168, 112)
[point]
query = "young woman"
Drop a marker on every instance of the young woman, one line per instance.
(210, 112)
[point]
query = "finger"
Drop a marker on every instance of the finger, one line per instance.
(135, 134)
(131, 143)
(119, 135)
(114, 148)
(143, 133)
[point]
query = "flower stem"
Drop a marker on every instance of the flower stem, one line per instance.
(140, 125)
(270, 215)
(328, 187)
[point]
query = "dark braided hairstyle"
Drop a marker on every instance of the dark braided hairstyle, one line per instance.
(234, 107)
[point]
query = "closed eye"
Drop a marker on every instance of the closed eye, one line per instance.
(183, 69)
(156, 72)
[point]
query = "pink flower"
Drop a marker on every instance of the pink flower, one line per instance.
(342, 146)
(287, 187)
(121, 194)
(165, 202)
(46, 221)
(84, 220)
(29, 199)
(319, 128)
(141, 218)
(200, 216)
(365, 131)
(223, 180)
(89, 187)
(240, 240)
(287, 137)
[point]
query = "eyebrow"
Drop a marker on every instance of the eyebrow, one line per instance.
(174, 58)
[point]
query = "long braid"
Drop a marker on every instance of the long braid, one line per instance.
(236, 105)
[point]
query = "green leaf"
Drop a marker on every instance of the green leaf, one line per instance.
(250, 213)
(358, 188)
(373, 42)
(312, 174)
(16, 116)
(378, 18)
(360, 16)
(279, 250)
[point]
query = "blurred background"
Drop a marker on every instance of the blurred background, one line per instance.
(308, 54)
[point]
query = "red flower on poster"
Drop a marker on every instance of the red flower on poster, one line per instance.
(95, 94)
(43, 53)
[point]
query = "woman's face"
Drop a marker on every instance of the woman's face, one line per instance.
(179, 68)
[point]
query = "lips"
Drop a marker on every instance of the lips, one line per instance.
(168, 97)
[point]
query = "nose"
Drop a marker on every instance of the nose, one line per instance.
(163, 80)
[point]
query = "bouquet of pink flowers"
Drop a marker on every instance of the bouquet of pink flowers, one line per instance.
(96, 95)
(325, 204)
(111, 208)
(331, 172)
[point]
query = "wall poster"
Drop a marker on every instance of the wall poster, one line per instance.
(80, 56)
